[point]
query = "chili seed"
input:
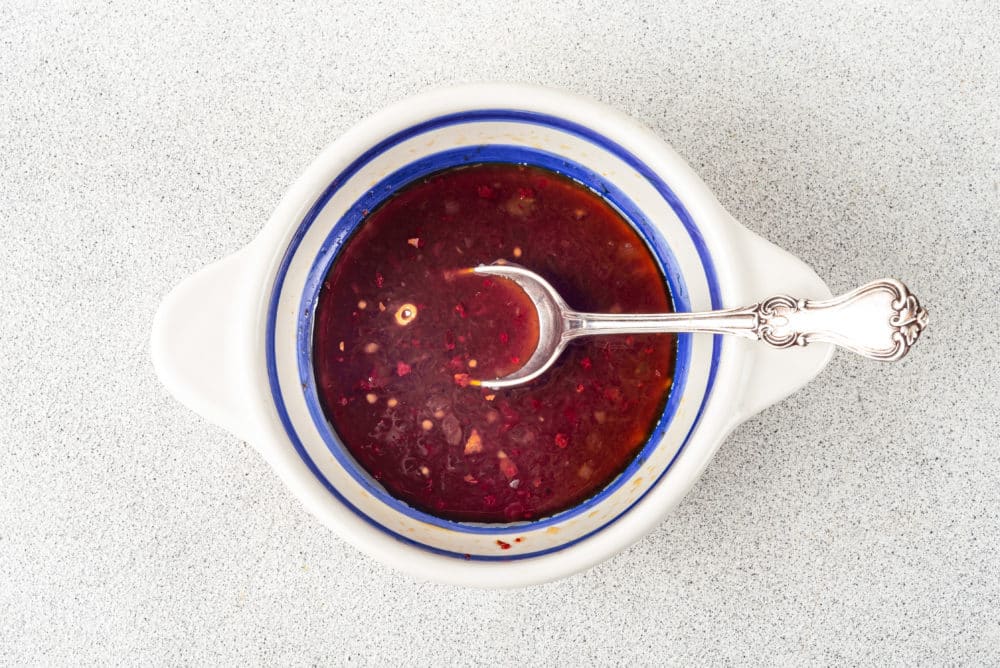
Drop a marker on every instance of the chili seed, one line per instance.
(405, 314)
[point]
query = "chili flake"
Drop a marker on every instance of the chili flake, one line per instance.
(474, 445)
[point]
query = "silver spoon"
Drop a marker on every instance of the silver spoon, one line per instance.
(880, 320)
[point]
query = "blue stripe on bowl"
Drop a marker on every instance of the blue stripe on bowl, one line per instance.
(490, 153)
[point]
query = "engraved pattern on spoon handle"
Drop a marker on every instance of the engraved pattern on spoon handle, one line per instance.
(881, 320)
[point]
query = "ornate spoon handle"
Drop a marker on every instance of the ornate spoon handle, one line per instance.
(880, 320)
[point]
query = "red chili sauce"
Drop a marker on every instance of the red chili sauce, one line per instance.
(401, 330)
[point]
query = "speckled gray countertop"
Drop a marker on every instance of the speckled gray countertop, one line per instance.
(857, 522)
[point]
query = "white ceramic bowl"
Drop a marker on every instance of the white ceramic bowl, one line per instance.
(233, 341)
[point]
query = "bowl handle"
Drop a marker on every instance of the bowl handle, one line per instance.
(772, 373)
(202, 343)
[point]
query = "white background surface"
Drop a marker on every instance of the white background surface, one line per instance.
(855, 522)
